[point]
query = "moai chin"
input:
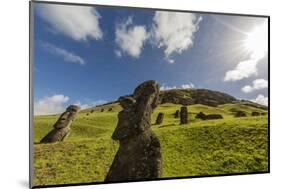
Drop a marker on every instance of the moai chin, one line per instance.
(139, 155)
(62, 127)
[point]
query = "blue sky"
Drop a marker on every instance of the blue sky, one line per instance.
(91, 55)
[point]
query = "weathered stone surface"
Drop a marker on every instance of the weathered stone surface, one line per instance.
(62, 127)
(183, 115)
(177, 114)
(255, 114)
(200, 115)
(191, 96)
(240, 114)
(213, 116)
(160, 118)
(139, 155)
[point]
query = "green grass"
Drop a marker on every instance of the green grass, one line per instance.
(229, 145)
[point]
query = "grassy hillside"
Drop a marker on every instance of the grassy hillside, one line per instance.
(229, 145)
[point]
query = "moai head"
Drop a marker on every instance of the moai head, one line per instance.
(137, 109)
(67, 117)
(147, 95)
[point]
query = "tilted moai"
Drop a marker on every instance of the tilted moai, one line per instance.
(159, 118)
(183, 115)
(177, 114)
(200, 115)
(62, 127)
(139, 155)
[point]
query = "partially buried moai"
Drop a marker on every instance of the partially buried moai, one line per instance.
(139, 155)
(62, 127)
(183, 115)
(159, 118)
(177, 114)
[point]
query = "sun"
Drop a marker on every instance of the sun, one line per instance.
(256, 42)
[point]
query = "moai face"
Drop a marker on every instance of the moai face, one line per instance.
(124, 118)
(67, 117)
(137, 109)
(147, 94)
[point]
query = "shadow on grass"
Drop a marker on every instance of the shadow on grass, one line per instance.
(169, 125)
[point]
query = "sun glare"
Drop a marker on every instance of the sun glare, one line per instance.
(256, 42)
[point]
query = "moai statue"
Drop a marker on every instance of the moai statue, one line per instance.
(139, 155)
(200, 115)
(255, 114)
(183, 115)
(62, 127)
(177, 114)
(159, 118)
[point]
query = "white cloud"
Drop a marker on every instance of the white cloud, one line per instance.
(187, 86)
(257, 85)
(66, 55)
(243, 69)
(118, 53)
(89, 105)
(256, 44)
(50, 104)
(77, 22)
(171, 61)
(260, 99)
(174, 31)
(82, 106)
(184, 86)
(165, 88)
(130, 38)
(58, 103)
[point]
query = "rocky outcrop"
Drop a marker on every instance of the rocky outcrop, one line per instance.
(62, 127)
(176, 96)
(195, 96)
(139, 155)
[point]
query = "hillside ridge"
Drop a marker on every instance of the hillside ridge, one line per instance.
(198, 96)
